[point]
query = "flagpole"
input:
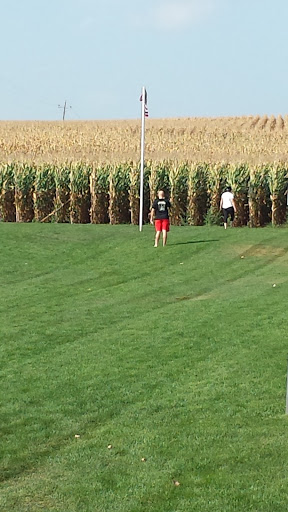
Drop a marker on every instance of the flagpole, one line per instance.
(143, 102)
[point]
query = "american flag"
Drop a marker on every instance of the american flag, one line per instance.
(145, 106)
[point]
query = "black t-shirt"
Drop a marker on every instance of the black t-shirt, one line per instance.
(161, 208)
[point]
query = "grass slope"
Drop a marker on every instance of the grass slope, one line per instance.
(176, 355)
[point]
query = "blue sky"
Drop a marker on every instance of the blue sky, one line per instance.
(196, 58)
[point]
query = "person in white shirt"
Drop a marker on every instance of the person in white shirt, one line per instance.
(227, 204)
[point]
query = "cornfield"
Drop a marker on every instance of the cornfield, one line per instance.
(251, 140)
(109, 193)
(82, 172)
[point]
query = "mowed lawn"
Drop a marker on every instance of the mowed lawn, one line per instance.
(176, 355)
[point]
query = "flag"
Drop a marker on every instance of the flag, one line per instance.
(145, 106)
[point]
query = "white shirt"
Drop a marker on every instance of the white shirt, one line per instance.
(227, 198)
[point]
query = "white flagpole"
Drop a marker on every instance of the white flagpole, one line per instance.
(142, 158)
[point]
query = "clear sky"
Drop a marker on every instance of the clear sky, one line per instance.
(196, 58)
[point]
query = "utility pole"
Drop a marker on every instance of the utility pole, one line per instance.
(64, 109)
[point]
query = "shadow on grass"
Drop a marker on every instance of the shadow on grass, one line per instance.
(195, 242)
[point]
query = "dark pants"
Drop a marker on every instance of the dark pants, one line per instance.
(228, 212)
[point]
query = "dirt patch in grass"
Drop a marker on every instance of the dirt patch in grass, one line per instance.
(260, 251)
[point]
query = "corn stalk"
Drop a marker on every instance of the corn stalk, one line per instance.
(62, 193)
(238, 178)
(178, 177)
(215, 182)
(134, 196)
(153, 182)
(158, 178)
(99, 189)
(119, 177)
(7, 193)
(197, 194)
(277, 181)
(80, 199)
(258, 196)
(24, 187)
(44, 192)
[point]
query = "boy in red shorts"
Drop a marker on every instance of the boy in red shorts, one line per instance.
(160, 210)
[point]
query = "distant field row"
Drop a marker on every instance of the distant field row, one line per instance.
(251, 139)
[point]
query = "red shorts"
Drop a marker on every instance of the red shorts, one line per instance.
(162, 225)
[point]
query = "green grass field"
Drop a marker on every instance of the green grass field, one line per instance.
(177, 355)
